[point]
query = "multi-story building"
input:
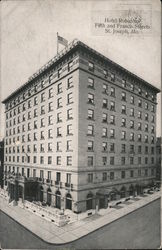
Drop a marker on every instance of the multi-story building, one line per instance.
(80, 132)
(158, 158)
(1, 162)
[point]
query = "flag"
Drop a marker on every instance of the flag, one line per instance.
(62, 40)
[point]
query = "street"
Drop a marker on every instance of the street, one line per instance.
(137, 230)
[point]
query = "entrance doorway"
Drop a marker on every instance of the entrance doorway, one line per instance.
(41, 194)
(68, 201)
(102, 203)
(89, 201)
(58, 199)
(49, 196)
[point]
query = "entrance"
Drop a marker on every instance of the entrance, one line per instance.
(89, 201)
(49, 196)
(41, 194)
(68, 201)
(58, 199)
(102, 203)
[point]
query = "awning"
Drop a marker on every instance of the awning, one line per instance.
(105, 192)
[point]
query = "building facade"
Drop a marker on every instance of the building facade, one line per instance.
(158, 158)
(80, 132)
(1, 162)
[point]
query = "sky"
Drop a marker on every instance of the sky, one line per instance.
(28, 39)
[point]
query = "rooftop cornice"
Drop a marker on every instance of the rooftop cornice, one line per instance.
(62, 53)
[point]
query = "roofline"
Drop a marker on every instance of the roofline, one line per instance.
(63, 52)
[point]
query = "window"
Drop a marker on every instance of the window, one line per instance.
(90, 178)
(146, 105)
(146, 117)
(112, 119)
(146, 127)
(41, 174)
(59, 146)
(122, 160)
(68, 178)
(146, 172)
(59, 72)
(139, 137)
(131, 136)
(105, 103)
(50, 93)
(34, 159)
(41, 147)
(35, 136)
(139, 160)
(105, 73)
(49, 159)
(152, 150)
(105, 88)
(69, 160)
(50, 106)
(59, 117)
(131, 160)
(91, 98)
(69, 114)
(146, 94)
(35, 100)
(90, 160)
(69, 145)
(152, 108)
(146, 138)
(29, 92)
(69, 129)
(132, 100)
(146, 160)
(42, 135)
(50, 78)
(29, 115)
(104, 132)
(139, 114)
(104, 117)
(29, 104)
(59, 88)
(139, 149)
(132, 173)
(152, 160)
(112, 133)
(139, 126)
(139, 91)
(131, 112)
(90, 82)
(42, 110)
(111, 175)
(90, 129)
(42, 122)
(139, 103)
(112, 147)
(58, 160)
(50, 147)
(70, 64)
(58, 176)
(112, 76)
(152, 118)
(123, 148)
(152, 139)
(50, 134)
(104, 146)
(112, 160)
(112, 91)
(29, 137)
(131, 124)
(123, 96)
(123, 135)
(152, 129)
(42, 84)
(91, 66)
(69, 98)
(49, 175)
(35, 113)
(50, 120)
(59, 132)
(59, 102)
(70, 82)
(90, 145)
(123, 122)
(122, 174)
(123, 109)
(112, 106)
(123, 83)
(104, 176)
(131, 149)
(90, 114)
(104, 160)
(43, 97)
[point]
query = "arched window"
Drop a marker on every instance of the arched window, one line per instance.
(68, 201)
(58, 199)
(49, 196)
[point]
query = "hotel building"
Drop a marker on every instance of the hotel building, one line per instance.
(80, 132)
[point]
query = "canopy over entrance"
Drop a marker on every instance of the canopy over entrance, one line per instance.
(106, 191)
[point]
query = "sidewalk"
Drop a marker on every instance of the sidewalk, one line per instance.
(50, 233)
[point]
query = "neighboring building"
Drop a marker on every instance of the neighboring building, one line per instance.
(1, 162)
(82, 131)
(158, 158)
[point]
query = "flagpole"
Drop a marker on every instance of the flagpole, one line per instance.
(57, 42)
